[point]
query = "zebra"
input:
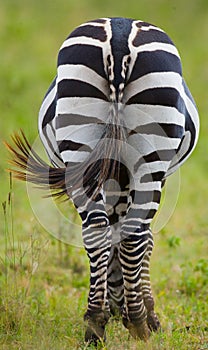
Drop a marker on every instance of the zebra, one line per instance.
(117, 120)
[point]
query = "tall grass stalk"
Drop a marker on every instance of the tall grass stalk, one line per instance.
(19, 264)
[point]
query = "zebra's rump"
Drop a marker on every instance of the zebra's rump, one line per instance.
(126, 74)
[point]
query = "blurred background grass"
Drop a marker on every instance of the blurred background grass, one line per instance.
(30, 36)
(31, 32)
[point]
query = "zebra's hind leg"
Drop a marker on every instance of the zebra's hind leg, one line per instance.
(115, 283)
(132, 250)
(97, 245)
(152, 319)
(97, 238)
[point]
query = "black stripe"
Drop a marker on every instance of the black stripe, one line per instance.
(76, 88)
(159, 96)
(50, 114)
(143, 197)
(99, 20)
(189, 125)
(114, 284)
(160, 129)
(64, 120)
(80, 201)
(50, 145)
(113, 218)
(157, 176)
(50, 87)
(188, 93)
(88, 55)
(141, 214)
(89, 31)
(144, 24)
(150, 36)
(162, 155)
(68, 145)
(135, 253)
(155, 61)
(121, 29)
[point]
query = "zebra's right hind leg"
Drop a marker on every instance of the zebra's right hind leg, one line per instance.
(152, 319)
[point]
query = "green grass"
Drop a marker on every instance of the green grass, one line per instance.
(43, 282)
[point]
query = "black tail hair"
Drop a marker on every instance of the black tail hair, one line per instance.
(30, 167)
(102, 164)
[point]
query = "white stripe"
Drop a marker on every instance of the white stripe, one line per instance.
(176, 163)
(145, 144)
(158, 46)
(149, 186)
(94, 24)
(45, 105)
(88, 134)
(53, 157)
(133, 52)
(50, 151)
(139, 114)
(48, 130)
(74, 156)
(85, 74)
(81, 40)
(150, 27)
(149, 168)
(86, 106)
(140, 221)
(154, 80)
(51, 137)
(165, 79)
(146, 206)
(193, 113)
(137, 258)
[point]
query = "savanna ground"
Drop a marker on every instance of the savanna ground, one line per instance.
(43, 282)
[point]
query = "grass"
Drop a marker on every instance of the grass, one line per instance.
(43, 282)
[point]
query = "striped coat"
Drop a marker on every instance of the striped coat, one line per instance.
(116, 121)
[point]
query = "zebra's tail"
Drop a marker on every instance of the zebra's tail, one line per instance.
(28, 166)
(102, 163)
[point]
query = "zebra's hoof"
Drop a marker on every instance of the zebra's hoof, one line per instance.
(94, 334)
(153, 322)
(95, 331)
(137, 329)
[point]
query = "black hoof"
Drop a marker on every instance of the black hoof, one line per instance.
(94, 334)
(95, 331)
(153, 322)
(137, 329)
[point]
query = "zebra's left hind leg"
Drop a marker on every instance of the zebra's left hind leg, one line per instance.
(152, 319)
(97, 238)
(115, 282)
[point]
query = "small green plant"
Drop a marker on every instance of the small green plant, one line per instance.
(174, 241)
(194, 277)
